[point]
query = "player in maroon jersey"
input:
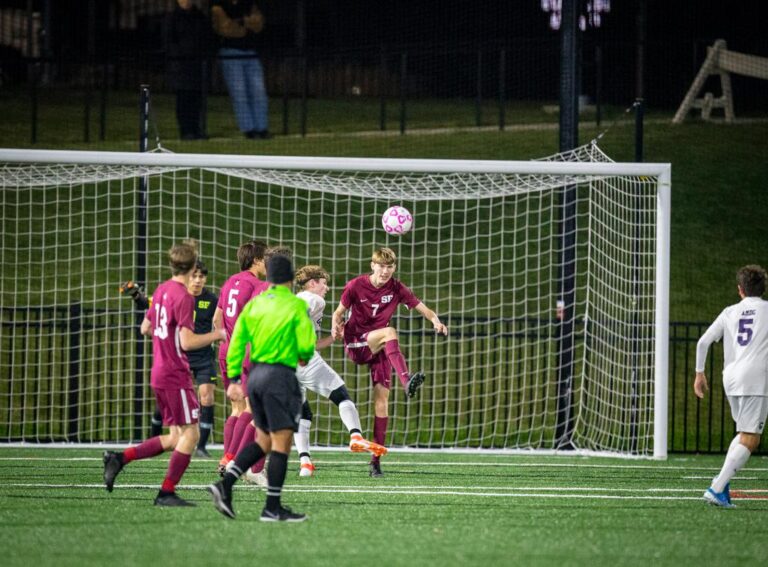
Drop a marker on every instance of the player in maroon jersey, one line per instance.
(368, 338)
(245, 433)
(169, 321)
(235, 293)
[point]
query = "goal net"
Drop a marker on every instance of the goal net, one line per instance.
(495, 247)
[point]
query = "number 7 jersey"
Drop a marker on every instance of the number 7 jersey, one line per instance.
(744, 330)
(372, 307)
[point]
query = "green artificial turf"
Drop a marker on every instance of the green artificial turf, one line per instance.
(428, 509)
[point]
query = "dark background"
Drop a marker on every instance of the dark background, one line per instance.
(442, 40)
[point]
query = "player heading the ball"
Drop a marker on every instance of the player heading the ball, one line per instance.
(368, 339)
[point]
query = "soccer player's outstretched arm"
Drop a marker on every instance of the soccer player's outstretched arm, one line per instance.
(136, 293)
(432, 317)
(713, 334)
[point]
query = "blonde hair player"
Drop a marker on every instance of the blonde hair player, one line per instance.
(317, 376)
(368, 338)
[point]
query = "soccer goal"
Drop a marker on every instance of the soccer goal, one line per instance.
(552, 276)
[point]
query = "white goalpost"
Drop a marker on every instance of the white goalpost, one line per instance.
(487, 252)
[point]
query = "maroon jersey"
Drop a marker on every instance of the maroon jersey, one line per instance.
(172, 308)
(372, 307)
(235, 293)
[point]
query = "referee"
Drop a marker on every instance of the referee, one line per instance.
(281, 335)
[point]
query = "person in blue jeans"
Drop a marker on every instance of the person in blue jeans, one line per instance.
(239, 24)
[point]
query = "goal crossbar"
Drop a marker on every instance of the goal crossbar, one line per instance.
(164, 159)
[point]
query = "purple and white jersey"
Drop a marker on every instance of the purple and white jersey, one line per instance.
(372, 307)
(172, 308)
(744, 330)
(235, 293)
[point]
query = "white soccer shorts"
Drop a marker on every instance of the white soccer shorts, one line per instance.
(318, 377)
(749, 413)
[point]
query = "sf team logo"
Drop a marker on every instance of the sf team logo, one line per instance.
(386, 298)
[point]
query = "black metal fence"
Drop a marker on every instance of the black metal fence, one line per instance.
(83, 363)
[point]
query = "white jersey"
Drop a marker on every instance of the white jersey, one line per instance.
(317, 376)
(744, 330)
(316, 307)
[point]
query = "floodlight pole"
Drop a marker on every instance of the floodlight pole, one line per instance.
(141, 265)
(569, 139)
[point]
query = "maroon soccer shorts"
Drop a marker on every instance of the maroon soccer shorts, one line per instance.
(177, 406)
(359, 352)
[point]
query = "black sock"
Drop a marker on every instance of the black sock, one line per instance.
(276, 469)
(355, 430)
(206, 425)
(157, 424)
(245, 459)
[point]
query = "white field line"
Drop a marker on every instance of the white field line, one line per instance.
(710, 478)
(589, 493)
(390, 462)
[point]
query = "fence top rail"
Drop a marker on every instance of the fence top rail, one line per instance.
(332, 163)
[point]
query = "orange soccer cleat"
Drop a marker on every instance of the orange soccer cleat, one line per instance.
(357, 444)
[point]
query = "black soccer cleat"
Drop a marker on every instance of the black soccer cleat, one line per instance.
(113, 464)
(202, 453)
(414, 383)
(374, 469)
(283, 514)
(222, 499)
(171, 499)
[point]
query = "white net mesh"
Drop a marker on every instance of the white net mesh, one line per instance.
(485, 253)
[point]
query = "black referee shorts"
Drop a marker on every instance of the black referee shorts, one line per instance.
(205, 374)
(275, 397)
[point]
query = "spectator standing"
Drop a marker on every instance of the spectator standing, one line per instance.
(188, 41)
(239, 25)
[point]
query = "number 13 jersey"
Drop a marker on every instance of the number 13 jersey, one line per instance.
(172, 308)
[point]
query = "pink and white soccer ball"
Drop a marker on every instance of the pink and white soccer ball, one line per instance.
(397, 220)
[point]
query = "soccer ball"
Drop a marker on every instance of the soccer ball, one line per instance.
(397, 220)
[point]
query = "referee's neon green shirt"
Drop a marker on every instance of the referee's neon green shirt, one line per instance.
(278, 329)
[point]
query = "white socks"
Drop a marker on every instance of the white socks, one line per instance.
(301, 437)
(349, 415)
(737, 457)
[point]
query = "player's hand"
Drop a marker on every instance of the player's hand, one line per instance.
(136, 293)
(254, 22)
(302, 362)
(235, 392)
(337, 330)
(221, 335)
(440, 329)
(700, 386)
